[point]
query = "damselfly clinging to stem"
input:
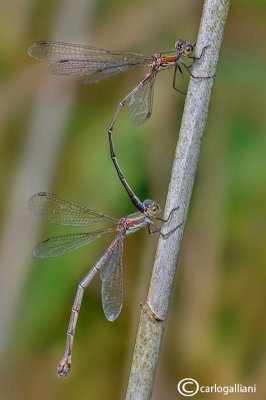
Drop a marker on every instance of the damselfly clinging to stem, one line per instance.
(97, 64)
(60, 211)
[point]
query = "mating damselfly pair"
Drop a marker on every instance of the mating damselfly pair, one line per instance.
(97, 64)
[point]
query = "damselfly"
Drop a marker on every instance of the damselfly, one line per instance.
(97, 64)
(60, 211)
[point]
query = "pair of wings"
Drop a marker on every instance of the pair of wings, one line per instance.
(60, 211)
(97, 64)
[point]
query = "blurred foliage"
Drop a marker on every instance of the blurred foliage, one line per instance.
(215, 331)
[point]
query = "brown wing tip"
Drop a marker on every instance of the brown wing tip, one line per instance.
(32, 201)
(45, 240)
(42, 194)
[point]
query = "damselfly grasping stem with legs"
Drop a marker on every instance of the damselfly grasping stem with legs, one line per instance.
(60, 211)
(97, 64)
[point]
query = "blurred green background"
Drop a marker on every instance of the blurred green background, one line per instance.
(54, 137)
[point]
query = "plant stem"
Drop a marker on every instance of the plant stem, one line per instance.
(153, 314)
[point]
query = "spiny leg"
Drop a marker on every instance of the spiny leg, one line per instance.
(164, 235)
(64, 365)
(196, 58)
(169, 216)
(201, 54)
(174, 87)
(193, 76)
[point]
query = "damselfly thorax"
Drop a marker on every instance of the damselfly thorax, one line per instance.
(60, 211)
(97, 64)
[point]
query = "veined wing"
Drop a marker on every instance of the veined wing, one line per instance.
(110, 258)
(94, 71)
(59, 245)
(103, 73)
(60, 211)
(75, 59)
(55, 51)
(140, 105)
(112, 287)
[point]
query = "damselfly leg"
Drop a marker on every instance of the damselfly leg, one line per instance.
(60, 211)
(97, 64)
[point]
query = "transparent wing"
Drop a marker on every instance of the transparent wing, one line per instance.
(55, 51)
(112, 289)
(110, 258)
(75, 59)
(103, 73)
(60, 211)
(59, 245)
(140, 105)
(94, 70)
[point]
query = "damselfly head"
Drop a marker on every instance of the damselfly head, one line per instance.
(184, 48)
(151, 208)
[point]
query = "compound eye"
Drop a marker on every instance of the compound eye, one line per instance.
(189, 48)
(155, 208)
(179, 44)
(151, 207)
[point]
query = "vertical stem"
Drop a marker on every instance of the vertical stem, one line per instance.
(152, 319)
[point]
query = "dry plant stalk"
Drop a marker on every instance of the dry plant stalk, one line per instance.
(153, 314)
